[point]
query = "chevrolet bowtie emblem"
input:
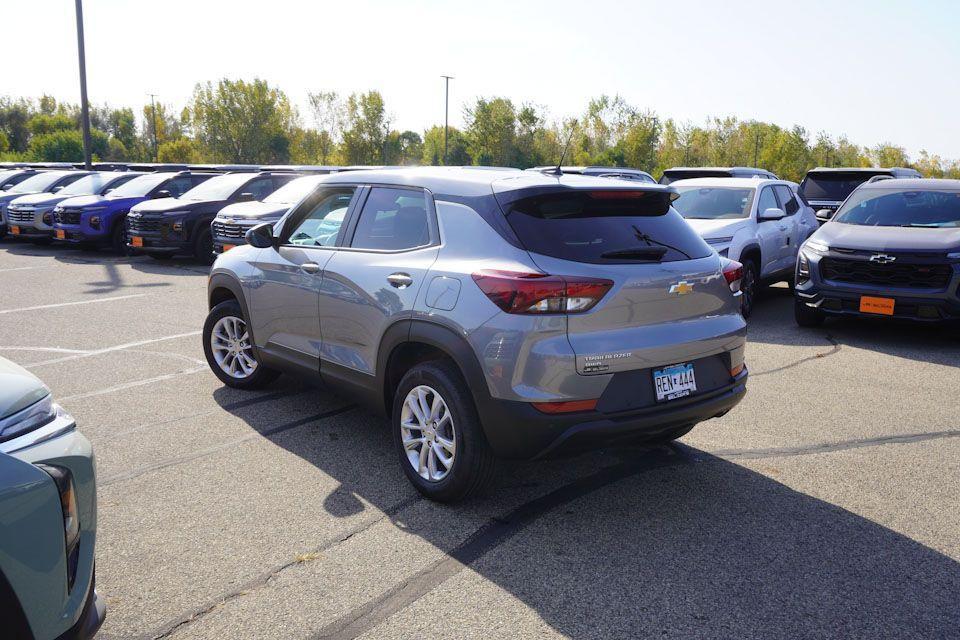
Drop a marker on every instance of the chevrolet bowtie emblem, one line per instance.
(682, 288)
(882, 258)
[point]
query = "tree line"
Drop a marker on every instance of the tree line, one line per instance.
(238, 121)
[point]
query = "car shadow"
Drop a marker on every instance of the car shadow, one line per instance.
(668, 541)
(772, 322)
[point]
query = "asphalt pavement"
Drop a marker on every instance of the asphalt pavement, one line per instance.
(827, 504)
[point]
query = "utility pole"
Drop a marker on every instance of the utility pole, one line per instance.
(446, 114)
(153, 111)
(84, 106)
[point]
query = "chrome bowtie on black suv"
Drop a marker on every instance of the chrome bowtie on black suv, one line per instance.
(487, 313)
(892, 250)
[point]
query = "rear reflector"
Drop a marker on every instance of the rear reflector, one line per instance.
(737, 370)
(732, 273)
(566, 407)
(539, 293)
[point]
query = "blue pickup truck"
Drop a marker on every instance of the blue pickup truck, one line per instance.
(98, 220)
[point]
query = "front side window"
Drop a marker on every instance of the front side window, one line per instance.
(10, 178)
(259, 188)
(393, 220)
(893, 208)
(767, 200)
(318, 220)
(713, 203)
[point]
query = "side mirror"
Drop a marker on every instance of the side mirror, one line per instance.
(6, 187)
(163, 193)
(56, 189)
(245, 197)
(260, 236)
(825, 214)
(108, 191)
(772, 213)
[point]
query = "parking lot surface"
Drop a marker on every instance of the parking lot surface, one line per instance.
(827, 504)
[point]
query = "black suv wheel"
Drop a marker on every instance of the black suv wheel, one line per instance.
(807, 316)
(437, 433)
(229, 349)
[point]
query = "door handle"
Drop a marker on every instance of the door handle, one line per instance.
(400, 280)
(310, 267)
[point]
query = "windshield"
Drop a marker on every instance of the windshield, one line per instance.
(713, 203)
(605, 226)
(139, 187)
(834, 186)
(37, 184)
(93, 183)
(893, 208)
(218, 188)
(292, 192)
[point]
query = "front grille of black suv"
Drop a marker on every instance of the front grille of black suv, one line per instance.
(141, 225)
(227, 230)
(68, 216)
(893, 274)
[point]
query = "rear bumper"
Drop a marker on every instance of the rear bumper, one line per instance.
(518, 430)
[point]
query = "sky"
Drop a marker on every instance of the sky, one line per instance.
(872, 71)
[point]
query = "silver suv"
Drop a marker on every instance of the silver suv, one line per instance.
(487, 313)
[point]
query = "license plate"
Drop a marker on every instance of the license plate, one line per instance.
(227, 247)
(881, 306)
(675, 381)
(15, 230)
(61, 234)
(136, 241)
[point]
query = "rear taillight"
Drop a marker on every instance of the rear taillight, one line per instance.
(535, 293)
(732, 273)
(569, 406)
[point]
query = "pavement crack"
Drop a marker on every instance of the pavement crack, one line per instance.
(832, 447)
(816, 356)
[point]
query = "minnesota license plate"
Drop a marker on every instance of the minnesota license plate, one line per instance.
(136, 241)
(881, 306)
(675, 381)
(15, 230)
(61, 234)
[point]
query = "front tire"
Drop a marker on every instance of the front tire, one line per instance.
(229, 349)
(203, 247)
(807, 316)
(438, 435)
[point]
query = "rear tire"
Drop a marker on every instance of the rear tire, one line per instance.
(228, 347)
(807, 316)
(469, 464)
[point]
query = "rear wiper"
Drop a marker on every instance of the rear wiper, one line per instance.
(643, 237)
(647, 254)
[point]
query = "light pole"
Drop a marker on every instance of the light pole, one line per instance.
(153, 111)
(446, 114)
(84, 107)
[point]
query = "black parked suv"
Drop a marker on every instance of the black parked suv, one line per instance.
(825, 188)
(891, 251)
(170, 226)
(686, 173)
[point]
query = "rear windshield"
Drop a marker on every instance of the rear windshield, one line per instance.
(893, 208)
(833, 186)
(714, 203)
(672, 176)
(605, 227)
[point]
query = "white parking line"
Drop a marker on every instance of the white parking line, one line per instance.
(130, 385)
(22, 268)
(119, 347)
(71, 304)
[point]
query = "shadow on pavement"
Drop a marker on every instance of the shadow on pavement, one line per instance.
(635, 543)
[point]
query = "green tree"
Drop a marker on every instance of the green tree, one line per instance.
(239, 121)
(179, 150)
(404, 148)
(491, 131)
(366, 129)
(43, 123)
(887, 154)
(14, 115)
(329, 115)
(67, 146)
(457, 154)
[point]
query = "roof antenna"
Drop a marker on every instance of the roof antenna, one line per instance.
(556, 170)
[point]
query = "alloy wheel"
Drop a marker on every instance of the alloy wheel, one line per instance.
(428, 433)
(230, 343)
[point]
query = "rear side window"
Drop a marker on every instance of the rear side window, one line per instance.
(393, 220)
(785, 194)
(605, 227)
